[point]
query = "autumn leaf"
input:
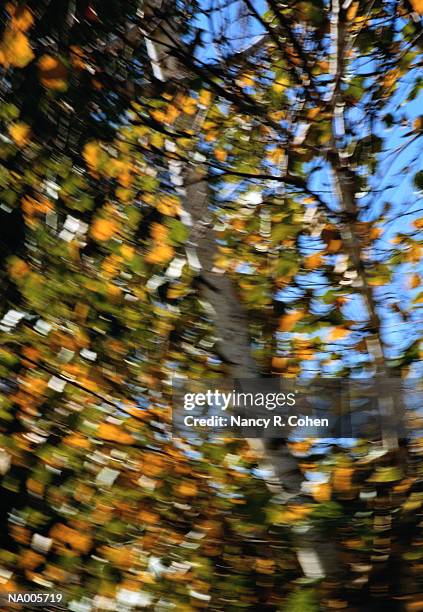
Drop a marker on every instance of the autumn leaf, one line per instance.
(158, 232)
(352, 11)
(159, 253)
(205, 97)
(114, 433)
(342, 479)
(311, 262)
(415, 281)
(279, 363)
(127, 251)
(93, 155)
(322, 492)
(18, 268)
(168, 205)
(20, 133)
(53, 72)
(312, 113)
(338, 333)
(417, 6)
(390, 78)
(103, 229)
(279, 86)
(15, 49)
(76, 539)
(187, 489)
(22, 18)
(246, 80)
(276, 156)
(220, 154)
(287, 321)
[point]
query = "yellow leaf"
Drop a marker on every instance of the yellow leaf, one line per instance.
(311, 262)
(188, 104)
(417, 6)
(418, 223)
(15, 49)
(158, 231)
(279, 86)
(53, 72)
(20, 133)
(168, 205)
(76, 539)
(114, 433)
(245, 80)
(103, 229)
(338, 333)
(205, 97)
(287, 321)
(127, 251)
(160, 253)
(93, 154)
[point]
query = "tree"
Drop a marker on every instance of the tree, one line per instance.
(111, 182)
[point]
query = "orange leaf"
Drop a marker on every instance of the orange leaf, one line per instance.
(53, 72)
(342, 479)
(160, 254)
(158, 231)
(188, 489)
(114, 433)
(20, 133)
(417, 6)
(103, 229)
(18, 268)
(322, 492)
(220, 154)
(15, 49)
(311, 262)
(279, 363)
(415, 281)
(205, 97)
(338, 333)
(352, 11)
(22, 18)
(287, 321)
(93, 154)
